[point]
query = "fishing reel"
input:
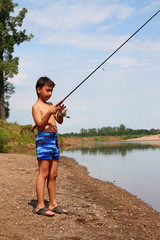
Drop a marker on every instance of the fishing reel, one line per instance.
(62, 113)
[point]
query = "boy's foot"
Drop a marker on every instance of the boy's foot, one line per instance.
(44, 211)
(59, 210)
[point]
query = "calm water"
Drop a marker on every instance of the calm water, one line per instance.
(134, 167)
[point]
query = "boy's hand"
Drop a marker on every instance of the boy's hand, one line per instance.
(53, 109)
(61, 111)
(62, 107)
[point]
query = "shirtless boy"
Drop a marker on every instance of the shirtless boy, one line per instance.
(45, 116)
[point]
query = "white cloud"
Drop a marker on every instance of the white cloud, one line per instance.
(81, 24)
(99, 41)
(126, 62)
(148, 46)
(62, 15)
(20, 79)
(104, 28)
(151, 6)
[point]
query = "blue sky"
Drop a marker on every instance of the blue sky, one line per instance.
(72, 38)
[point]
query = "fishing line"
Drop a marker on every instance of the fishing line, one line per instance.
(58, 104)
(108, 58)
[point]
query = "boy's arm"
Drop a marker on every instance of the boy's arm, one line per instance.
(42, 122)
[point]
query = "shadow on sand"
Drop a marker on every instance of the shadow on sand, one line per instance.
(33, 203)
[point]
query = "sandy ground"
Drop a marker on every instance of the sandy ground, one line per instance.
(97, 210)
(150, 138)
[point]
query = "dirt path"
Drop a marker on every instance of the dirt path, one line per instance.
(97, 210)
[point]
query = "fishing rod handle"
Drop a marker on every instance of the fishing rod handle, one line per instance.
(58, 104)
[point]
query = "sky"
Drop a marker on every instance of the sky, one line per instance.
(71, 39)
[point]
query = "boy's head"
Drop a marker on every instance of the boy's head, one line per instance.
(42, 81)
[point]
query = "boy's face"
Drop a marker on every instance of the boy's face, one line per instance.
(45, 92)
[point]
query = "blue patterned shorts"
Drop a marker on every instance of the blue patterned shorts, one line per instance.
(47, 146)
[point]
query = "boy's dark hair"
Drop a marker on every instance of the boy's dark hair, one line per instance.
(44, 81)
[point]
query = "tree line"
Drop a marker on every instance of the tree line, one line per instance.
(122, 130)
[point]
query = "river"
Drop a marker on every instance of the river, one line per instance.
(134, 167)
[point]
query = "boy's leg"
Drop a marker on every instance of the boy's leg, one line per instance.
(51, 183)
(40, 185)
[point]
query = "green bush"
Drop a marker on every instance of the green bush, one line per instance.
(4, 139)
(60, 139)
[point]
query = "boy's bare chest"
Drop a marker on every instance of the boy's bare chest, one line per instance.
(43, 110)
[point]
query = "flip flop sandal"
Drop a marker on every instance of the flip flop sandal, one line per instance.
(42, 211)
(58, 210)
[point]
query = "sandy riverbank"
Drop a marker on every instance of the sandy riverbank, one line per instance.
(85, 141)
(97, 210)
(149, 138)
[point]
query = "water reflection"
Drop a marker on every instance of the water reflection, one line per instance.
(132, 166)
(109, 149)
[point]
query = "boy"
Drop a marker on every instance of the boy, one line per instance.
(45, 116)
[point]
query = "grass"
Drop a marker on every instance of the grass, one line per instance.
(132, 136)
(19, 138)
(14, 136)
(101, 139)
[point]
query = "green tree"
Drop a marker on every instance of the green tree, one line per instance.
(10, 35)
(83, 132)
(121, 130)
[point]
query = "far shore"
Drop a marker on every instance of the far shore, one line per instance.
(72, 142)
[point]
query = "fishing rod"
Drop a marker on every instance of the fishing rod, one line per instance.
(58, 104)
